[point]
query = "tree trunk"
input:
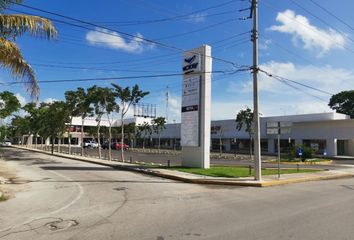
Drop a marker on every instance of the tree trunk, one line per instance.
(69, 137)
(144, 144)
(220, 146)
(52, 145)
(59, 142)
(98, 140)
(159, 143)
(122, 138)
(82, 136)
(42, 143)
(109, 143)
(251, 142)
(36, 141)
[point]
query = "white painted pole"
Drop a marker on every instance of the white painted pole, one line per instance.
(257, 144)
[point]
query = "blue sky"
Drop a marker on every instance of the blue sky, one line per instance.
(298, 41)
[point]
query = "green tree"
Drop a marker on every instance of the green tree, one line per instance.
(343, 102)
(13, 26)
(20, 126)
(8, 104)
(158, 125)
(127, 97)
(34, 119)
(103, 101)
(144, 130)
(55, 119)
(83, 109)
(71, 107)
(244, 119)
(130, 132)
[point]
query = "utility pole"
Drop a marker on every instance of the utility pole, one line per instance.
(257, 145)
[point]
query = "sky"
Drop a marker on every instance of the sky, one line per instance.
(305, 45)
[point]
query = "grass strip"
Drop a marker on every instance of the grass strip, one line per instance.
(236, 172)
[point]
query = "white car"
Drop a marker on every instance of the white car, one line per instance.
(6, 144)
(90, 144)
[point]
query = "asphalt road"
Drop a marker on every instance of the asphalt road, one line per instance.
(65, 199)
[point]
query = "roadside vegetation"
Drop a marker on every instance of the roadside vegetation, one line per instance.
(3, 198)
(237, 172)
(51, 120)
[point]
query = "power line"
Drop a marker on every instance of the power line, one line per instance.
(287, 50)
(322, 20)
(332, 14)
(151, 21)
(295, 82)
(112, 78)
(197, 30)
(148, 59)
(113, 32)
(320, 33)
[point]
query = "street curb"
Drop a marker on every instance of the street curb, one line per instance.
(231, 182)
(303, 163)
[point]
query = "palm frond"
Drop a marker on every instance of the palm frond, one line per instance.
(5, 3)
(18, 24)
(11, 58)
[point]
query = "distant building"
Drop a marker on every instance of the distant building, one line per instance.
(327, 133)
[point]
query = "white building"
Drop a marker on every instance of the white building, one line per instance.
(331, 133)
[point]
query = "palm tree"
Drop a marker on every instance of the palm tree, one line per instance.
(12, 26)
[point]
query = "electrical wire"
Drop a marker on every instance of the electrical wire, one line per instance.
(320, 33)
(114, 32)
(113, 78)
(322, 20)
(288, 82)
(332, 14)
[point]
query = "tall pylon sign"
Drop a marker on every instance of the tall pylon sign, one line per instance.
(196, 103)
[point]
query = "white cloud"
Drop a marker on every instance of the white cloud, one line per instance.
(174, 102)
(226, 109)
(21, 99)
(325, 77)
(264, 45)
(278, 98)
(197, 18)
(311, 36)
(105, 38)
(50, 100)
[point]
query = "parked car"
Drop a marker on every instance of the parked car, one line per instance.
(6, 143)
(118, 146)
(90, 144)
(105, 145)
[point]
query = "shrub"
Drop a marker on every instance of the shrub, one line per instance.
(307, 152)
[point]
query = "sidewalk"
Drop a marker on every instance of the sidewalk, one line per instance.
(270, 180)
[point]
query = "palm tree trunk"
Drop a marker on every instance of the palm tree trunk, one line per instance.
(42, 143)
